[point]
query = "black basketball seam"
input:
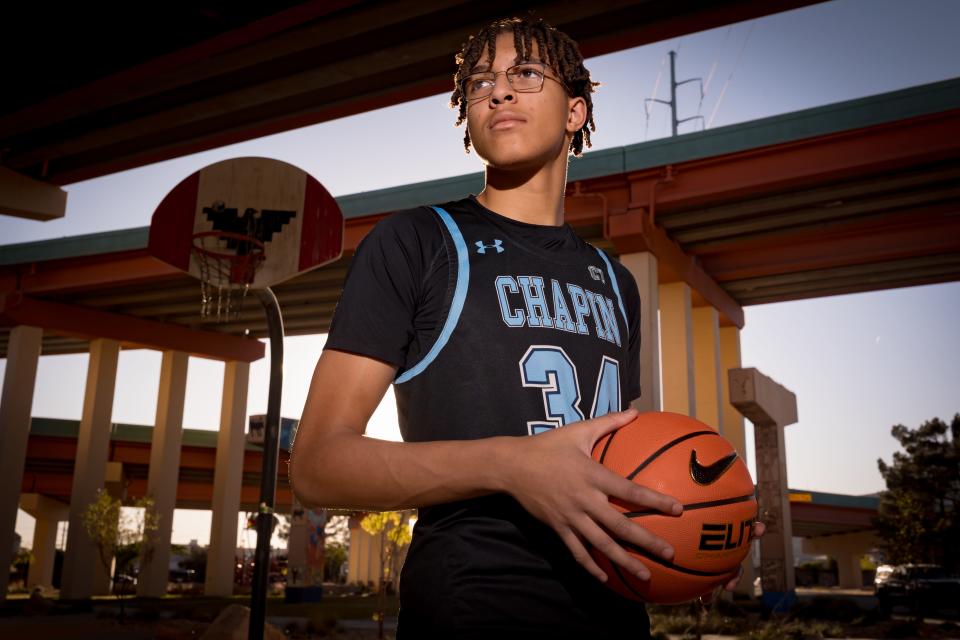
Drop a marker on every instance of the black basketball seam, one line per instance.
(603, 453)
(624, 581)
(669, 565)
(692, 506)
(656, 454)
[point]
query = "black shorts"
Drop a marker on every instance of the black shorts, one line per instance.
(487, 577)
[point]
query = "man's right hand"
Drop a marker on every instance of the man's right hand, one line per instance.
(554, 477)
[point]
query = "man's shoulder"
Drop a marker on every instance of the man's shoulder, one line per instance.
(423, 219)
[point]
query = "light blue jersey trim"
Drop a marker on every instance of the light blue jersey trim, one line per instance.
(456, 306)
(616, 288)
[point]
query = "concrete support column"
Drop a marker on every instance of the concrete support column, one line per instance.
(164, 472)
(846, 549)
(676, 345)
(770, 407)
(89, 471)
(733, 429)
(48, 514)
(706, 358)
(364, 559)
(297, 547)
(643, 267)
(227, 480)
(16, 400)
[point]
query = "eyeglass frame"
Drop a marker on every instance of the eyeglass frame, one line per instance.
(543, 65)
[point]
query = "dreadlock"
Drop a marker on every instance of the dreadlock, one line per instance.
(556, 49)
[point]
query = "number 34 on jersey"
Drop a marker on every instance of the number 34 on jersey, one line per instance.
(551, 370)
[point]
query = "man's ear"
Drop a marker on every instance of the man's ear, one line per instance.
(576, 114)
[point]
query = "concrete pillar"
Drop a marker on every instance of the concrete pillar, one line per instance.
(733, 429)
(89, 472)
(770, 407)
(706, 358)
(364, 559)
(164, 473)
(297, 547)
(643, 267)
(847, 549)
(16, 400)
(676, 345)
(48, 514)
(227, 477)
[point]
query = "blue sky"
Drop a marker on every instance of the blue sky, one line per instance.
(858, 363)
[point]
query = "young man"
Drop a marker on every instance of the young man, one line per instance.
(513, 347)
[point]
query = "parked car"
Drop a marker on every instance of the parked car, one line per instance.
(919, 587)
(881, 576)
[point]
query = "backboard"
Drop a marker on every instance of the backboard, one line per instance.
(274, 218)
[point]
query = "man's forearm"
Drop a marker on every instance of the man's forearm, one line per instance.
(352, 471)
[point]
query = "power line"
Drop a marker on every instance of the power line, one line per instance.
(723, 89)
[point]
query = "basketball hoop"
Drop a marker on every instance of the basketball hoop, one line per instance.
(228, 265)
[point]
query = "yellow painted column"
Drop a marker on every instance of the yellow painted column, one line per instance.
(733, 426)
(48, 514)
(643, 267)
(89, 473)
(706, 357)
(16, 401)
(676, 348)
(227, 477)
(164, 473)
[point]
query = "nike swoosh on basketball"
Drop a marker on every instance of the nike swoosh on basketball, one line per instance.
(711, 473)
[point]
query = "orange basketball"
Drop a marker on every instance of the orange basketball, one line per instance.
(686, 459)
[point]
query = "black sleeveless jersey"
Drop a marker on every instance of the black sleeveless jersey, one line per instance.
(532, 339)
(528, 339)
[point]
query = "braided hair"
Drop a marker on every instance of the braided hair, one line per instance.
(558, 51)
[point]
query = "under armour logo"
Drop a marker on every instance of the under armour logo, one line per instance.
(482, 248)
(596, 274)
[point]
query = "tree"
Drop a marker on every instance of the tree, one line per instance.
(113, 531)
(334, 557)
(394, 534)
(918, 519)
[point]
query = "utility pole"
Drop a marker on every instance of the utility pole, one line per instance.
(673, 95)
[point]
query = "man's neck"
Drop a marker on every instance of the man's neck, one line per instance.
(531, 197)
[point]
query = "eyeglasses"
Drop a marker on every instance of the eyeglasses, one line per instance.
(526, 77)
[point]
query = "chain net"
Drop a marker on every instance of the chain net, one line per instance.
(228, 264)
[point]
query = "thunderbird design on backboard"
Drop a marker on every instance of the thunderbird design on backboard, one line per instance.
(260, 224)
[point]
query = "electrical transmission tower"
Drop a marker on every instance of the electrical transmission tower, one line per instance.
(673, 95)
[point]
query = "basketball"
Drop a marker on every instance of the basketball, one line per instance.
(688, 460)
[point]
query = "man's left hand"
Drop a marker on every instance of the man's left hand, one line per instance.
(758, 530)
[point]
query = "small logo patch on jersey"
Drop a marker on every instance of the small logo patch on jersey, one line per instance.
(482, 248)
(596, 273)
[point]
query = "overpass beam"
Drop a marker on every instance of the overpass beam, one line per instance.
(25, 197)
(16, 401)
(770, 407)
(164, 473)
(90, 468)
(227, 479)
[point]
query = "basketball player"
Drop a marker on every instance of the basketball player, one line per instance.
(513, 346)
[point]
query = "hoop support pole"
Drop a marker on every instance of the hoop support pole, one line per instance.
(268, 478)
